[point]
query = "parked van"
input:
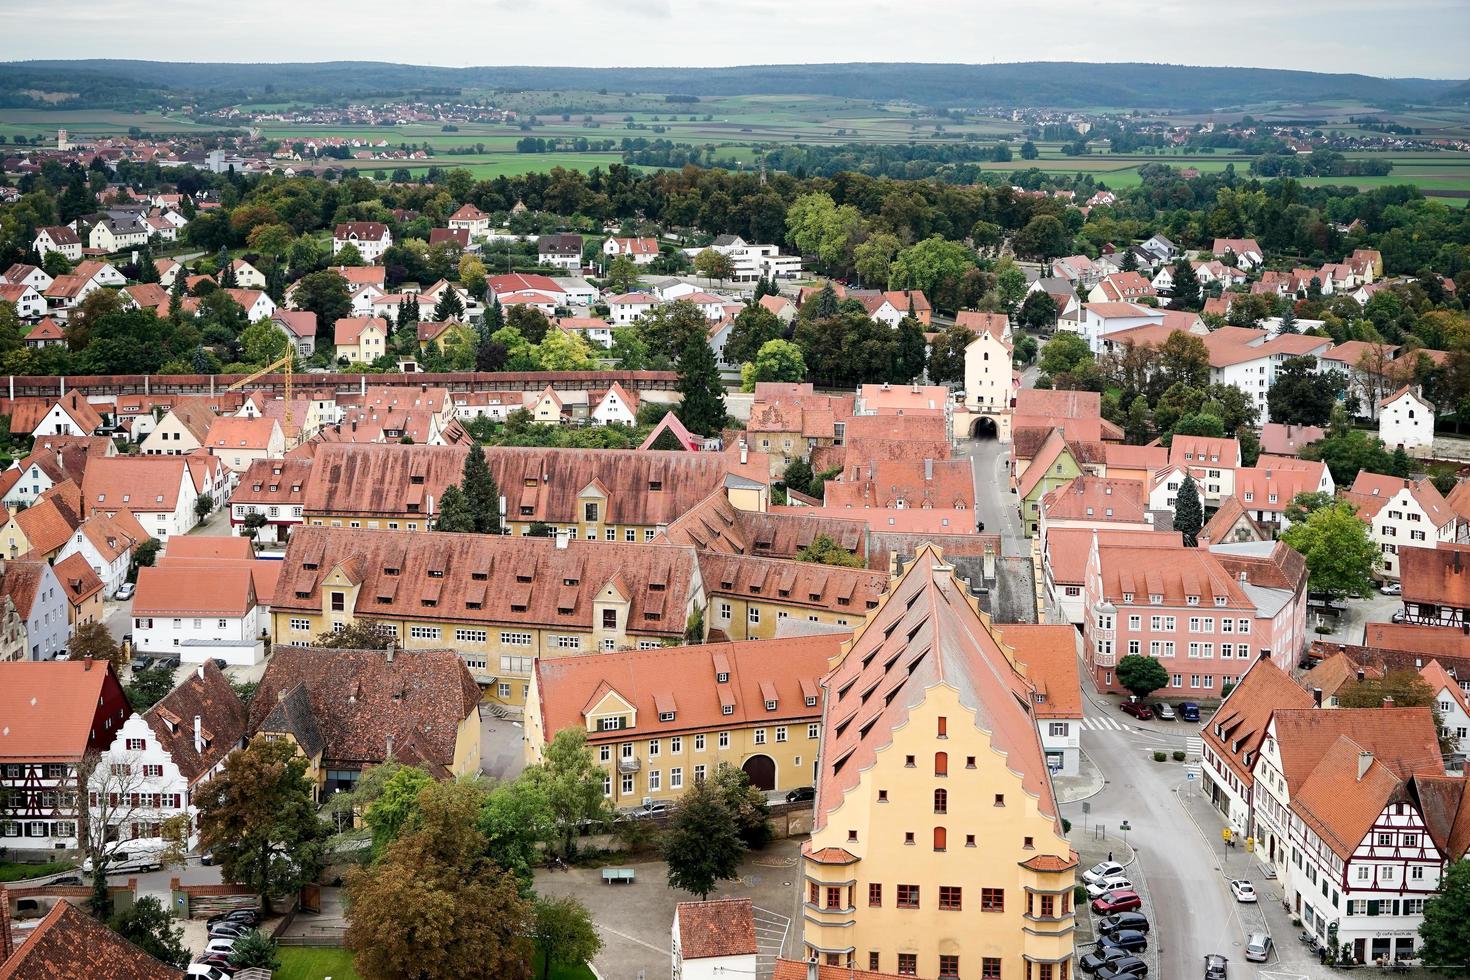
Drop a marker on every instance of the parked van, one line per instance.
(142, 854)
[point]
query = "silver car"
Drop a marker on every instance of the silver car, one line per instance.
(1258, 947)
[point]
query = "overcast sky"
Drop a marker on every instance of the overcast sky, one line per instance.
(1424, 38)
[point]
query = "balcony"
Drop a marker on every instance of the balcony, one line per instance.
(629, 764)
(1101, 659)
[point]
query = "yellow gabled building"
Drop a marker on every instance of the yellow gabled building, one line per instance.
(937, 848)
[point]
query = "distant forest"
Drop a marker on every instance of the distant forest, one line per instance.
(136, 84)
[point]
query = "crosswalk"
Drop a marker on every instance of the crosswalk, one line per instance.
(1104, 724)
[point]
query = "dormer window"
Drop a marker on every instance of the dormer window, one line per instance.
(655, 485)
(722, 677)
(728, 709)
(1220, 600)
(665, 716)
(770, 706)
(416, 479)
(1156, 598)
(1127, 596)
(1192, 600)
(390, 571)
(811, 701)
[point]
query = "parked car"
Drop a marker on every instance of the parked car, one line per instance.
(1100, 888)
(1163, 711)
(125, 592)
(1243, 890)
(1397, 617)
(1258, 947)
(140, 663)
(249, 917)
(134, 855)
(1100, 958)
(1129, 939)
(1132, 921)
(1391, 588)
(802, 794)
(229, 930)
(1189, 711)
(203, 971)
(221, 663)
(1128, 966)
(1106, 869)
(219, 961)
(1137, 709)
(172, 663)
(1119, 901)
(1215, 966)
(221, 945)
(206, 858)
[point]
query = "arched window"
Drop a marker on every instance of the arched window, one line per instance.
(941, 801)
(940, 838)
(941, 763)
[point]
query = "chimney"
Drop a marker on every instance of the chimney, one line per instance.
(201, 672)
(744, 453)
(391, 650)
(812, 969)
(1365, 759)
(1360, 675)
(928, 469)
(1388, 702)
(87, 664)
(198, 734)
(1316, 697)
(1265, 654)
(562, 534)
(388, 753)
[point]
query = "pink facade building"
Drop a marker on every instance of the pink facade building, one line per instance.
(1206, 615)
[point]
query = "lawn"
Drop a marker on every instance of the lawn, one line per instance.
(21, 872)
(317, 963)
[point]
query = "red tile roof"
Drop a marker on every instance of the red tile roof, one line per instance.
(1437, 576)
(1402, 739)
(1047, 656)
(71, 945)
(189, 590)
(1238, 728)
(207, 694)
(722, 927)
(48, 707)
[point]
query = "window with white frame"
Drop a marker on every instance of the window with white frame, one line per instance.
(516, 665)
(424, 632)
(510, 639)
(569, 643)
(299, 625)
(462, 635)
(724, 740)
(676, 778)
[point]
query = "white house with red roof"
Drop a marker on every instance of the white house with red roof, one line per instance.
(616, 405)
(1121, 287)
(371, 238)
(641, 250)
(1406, 418)
(628, 307)
(247, 276)
(29, 275)
(1096, 321)
(256, 303)
(58, 238)
(1402, 513)
(471, 219)
(299, 326)
(28, 302)
(1246, 251)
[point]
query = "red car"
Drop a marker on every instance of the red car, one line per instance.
(1118, 901)
(1137, 709)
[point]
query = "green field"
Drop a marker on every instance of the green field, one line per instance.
(739, 126)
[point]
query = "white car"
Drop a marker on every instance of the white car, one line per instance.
(206, 972)
(1243, 890)
(1097, 889)
(225, 946)
(1107, 869)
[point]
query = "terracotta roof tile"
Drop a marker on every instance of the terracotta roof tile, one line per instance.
(205, 693)
(724, 927)
(70, 945)
(1048, 655)
(48, 707)
(1238, 727)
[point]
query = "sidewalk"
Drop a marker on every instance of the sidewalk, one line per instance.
(1086, 784)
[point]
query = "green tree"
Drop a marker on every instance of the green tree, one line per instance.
(1138, 429)
(1339, 553)
(347, 255)
(560, 351)
(571, 781)
(622, 274)
(714, 265)
(702, 844)
(947, 354)
(360, 634)
(753, 326)
(1185, 292)
(1199, 424)
(1043, 237)
(454, 512)
(1348, 451)
(391, 812)
(819, 227)
(746, 803)
(564, 934)
(932, 265)
(1010, 285)
(148, 687)
(798, 476)
(1302, 396)
(258, 818)
(93, 641)
(531, 322)
(1189, 515)
(778, 360)
(1303, 504)
(1063, 354)
(1445, 931)
(144, 555)
(257, 949)
(481, 492)
(150, 927)
(448, 306)
(824, 551)
(1142, 675)
(516, 820)
(1038, 311)
(702, 406)
(325, 294)
(434, 905)
(262, 343)
(1029, 151)
(873, 259)
(1184, 359)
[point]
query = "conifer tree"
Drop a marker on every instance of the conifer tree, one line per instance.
(481, 493)
(1189, 515)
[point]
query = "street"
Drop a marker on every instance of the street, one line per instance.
(995, 505)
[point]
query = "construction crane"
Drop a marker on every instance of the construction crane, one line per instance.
(284, 365)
